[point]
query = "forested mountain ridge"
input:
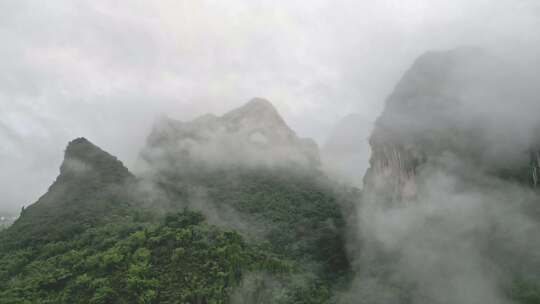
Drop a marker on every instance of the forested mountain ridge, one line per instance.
(253, 174)
(102, 235)
(236, 208)
(90, 190)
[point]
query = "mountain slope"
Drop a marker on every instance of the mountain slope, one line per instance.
(271, 188)
(275, 231)
(179, 259)
(89, 190)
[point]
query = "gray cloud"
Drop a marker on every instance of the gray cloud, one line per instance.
(105, 69)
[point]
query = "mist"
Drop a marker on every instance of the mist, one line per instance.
(106, 70)
(457, 243)
(424, 113)
(450, 207)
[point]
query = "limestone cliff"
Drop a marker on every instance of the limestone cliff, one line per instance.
(458, 104)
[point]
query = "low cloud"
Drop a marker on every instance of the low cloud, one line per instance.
(105, 70)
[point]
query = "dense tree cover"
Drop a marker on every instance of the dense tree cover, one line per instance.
(280, 239)
(298, 212)
(180, 260)
(90, 239)
(525, 291)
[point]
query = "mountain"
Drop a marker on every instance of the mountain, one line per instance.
(463, 103)
(231, 209)
(85, 241)
(90, 189)
(346, 152)
(451, 192)
(247, 170)
(238, 209)
(252, 135)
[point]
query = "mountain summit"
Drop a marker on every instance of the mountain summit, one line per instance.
(83, 159)
(423, 117)
(89, 189)
(252, 135)
(439, 111)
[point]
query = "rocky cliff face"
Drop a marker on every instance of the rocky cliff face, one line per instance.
(535, 168)
(252, 135)
(452, 104)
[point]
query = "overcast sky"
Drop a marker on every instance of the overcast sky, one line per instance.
(106, 69)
